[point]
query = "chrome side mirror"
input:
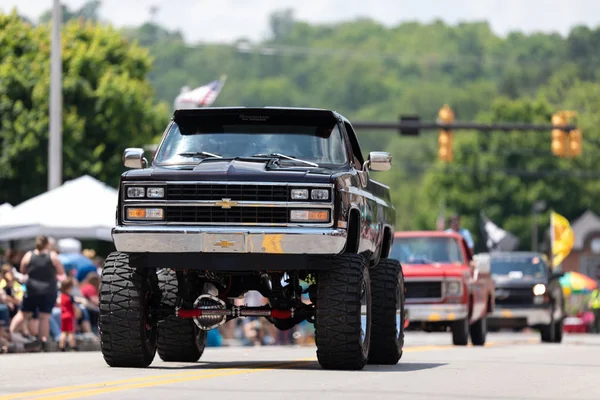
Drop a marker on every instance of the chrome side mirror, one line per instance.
(133, 157)
(379, 161)
(483, 263)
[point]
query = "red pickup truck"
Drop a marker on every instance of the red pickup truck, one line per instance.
(445, 287)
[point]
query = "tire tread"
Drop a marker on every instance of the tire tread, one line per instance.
(121, 319)
(338, 316)
(385, 347)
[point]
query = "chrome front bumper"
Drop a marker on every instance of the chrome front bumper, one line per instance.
(436, 312)
(534, 316)
(230, 240)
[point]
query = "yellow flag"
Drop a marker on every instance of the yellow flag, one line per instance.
(562, 238)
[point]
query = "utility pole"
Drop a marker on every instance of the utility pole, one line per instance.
(55, 134)
(538, 207)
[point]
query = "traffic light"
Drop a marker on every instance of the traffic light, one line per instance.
(565, 144)
(559, 137)
(575, 143)
(445, 135)
(409, 131)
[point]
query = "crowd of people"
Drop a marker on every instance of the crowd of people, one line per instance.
(42, 303)
(45, 306)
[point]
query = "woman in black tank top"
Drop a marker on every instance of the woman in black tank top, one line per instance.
(41, 267)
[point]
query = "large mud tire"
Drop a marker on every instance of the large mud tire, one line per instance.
(341, 342)
(179, 340)
(387, 291)
(128, 338)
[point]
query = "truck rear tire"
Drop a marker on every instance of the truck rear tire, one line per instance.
(387, 291)
(341, 342)
(127, 335)
(547, 332)
(558, 332)
(179, 340)
(460, 332)
(479, 331)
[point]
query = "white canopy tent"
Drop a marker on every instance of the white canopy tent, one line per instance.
(83, 208)
(5, 210)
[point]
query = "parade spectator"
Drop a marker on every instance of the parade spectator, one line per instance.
(594, 305)
(90, 289)
(13, 291)
(42, 267)
(68, 314)
(455, 227)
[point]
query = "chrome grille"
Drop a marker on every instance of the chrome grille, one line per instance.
(218, 215)
(423, 289)
(235, 192)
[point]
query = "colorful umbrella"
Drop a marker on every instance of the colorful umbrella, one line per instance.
(574, 282)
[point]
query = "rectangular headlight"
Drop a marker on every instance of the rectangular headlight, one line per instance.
(135, 192)
(299, 194)
(155, 192)
(156, 214)
(319, 194)
(454, 288)
(309, 215)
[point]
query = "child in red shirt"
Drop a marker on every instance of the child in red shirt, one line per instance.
(67, 315)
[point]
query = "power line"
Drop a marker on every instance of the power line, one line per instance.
(430, 59)
(455, 170)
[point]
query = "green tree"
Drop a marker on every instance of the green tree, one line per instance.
(504, 174)
(107, 104)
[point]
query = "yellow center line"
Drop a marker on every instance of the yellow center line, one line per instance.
(198, 372)
(77, 391)
(103, 390)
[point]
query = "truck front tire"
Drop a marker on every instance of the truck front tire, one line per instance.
(341, 342)
(127, 334)
(179, 340)
(387, 291)
(460, 332)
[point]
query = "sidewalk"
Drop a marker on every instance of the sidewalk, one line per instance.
(21, 345)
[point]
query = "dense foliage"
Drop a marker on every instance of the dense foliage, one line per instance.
(107, 104)
(368, 71)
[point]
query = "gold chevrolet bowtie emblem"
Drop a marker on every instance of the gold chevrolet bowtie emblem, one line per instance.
(224, 243)
(226, 203)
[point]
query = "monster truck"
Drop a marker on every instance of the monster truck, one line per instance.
(240, 199)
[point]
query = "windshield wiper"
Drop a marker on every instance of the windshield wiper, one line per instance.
(198, 154)
(279, 156)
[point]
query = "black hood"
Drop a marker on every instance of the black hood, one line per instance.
(233, 170)
(506, 283)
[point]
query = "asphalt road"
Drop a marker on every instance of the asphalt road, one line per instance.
(511, 366)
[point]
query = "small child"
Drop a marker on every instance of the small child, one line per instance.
(67, 315)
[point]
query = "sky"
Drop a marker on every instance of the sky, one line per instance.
(228, 20)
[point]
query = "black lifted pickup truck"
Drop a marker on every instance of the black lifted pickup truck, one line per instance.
(240, 199)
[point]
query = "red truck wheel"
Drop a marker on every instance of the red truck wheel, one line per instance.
(460, 332)
(479, 331)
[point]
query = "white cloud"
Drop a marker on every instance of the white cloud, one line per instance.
(227, 20)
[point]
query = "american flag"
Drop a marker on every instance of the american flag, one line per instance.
(202, 96)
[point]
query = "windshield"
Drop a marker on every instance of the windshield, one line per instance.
(316, 144)
(519, 267)
(427, 250)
